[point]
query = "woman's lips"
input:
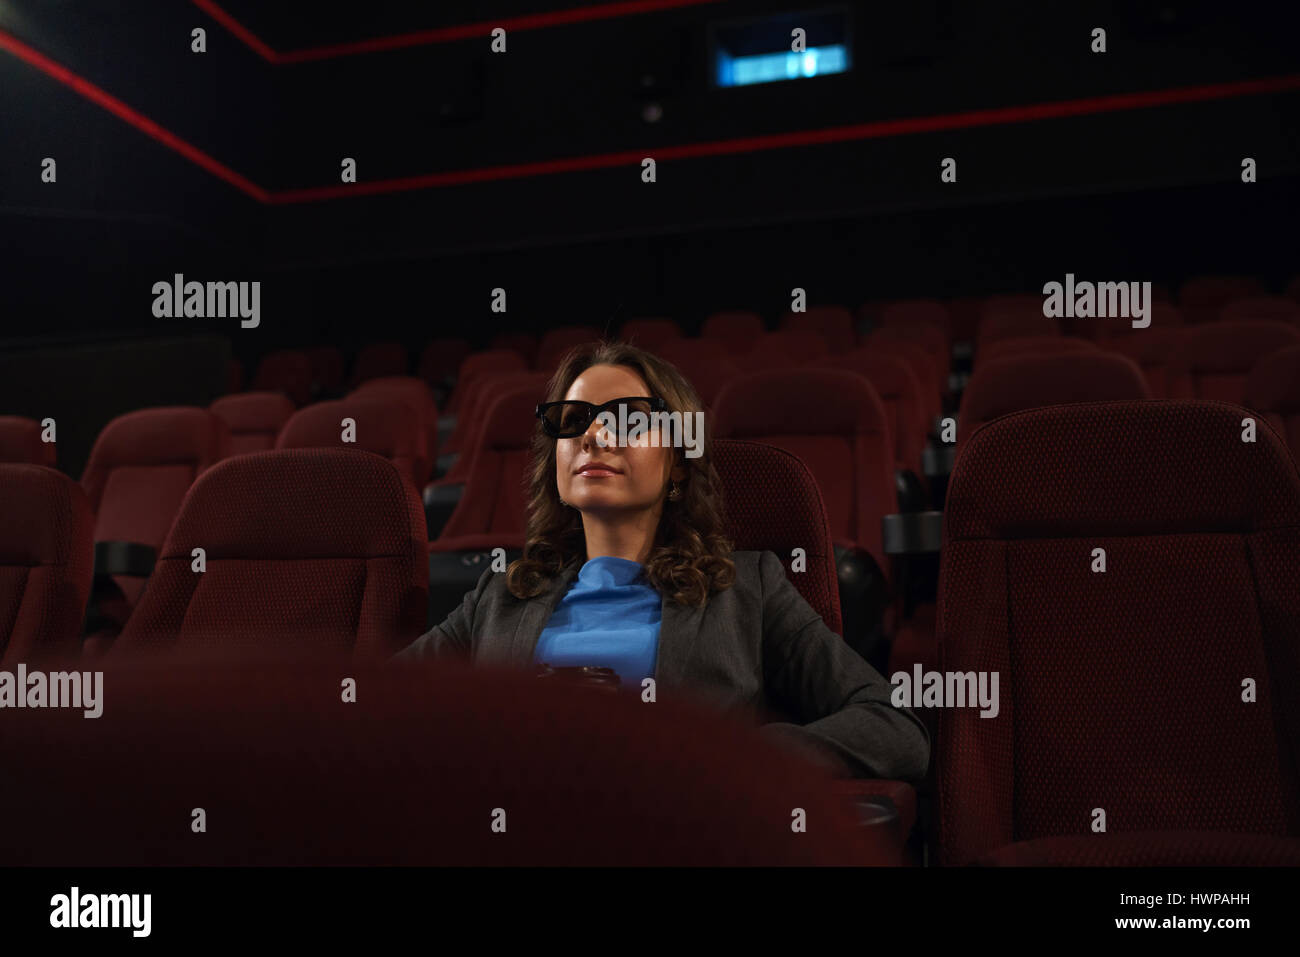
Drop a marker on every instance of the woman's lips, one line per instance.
(597, 472)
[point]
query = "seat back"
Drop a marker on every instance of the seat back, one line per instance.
(1277, 308)
(778, 350)
(415, 392)
(1120, 690)
(833, 420)
(834, 324)
(650, 334)
(46, 564)
(318, 550)
(737, 330)
(328, 368)
(1035, 345)
(441, 358)
(1273, 388)
(915, 312)
(901, 395)
(471, 421)
(556, 342)
(20, 442)
(1212, 361)
(376, 422)
(754, 476)
(288, 371)
(253, 418)
(1202, 298)
(489, 361)
(380, 359)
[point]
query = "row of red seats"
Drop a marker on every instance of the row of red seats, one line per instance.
(1140, 669)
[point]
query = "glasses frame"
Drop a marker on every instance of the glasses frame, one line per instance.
(656, 405)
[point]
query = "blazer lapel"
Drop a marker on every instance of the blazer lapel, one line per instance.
(679, 628)
(537, 612)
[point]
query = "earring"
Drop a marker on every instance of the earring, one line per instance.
(564, 503)
(674, 491)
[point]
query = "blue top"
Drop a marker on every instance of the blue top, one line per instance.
(608, 619)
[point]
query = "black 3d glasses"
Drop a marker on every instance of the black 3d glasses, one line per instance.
(570, 418)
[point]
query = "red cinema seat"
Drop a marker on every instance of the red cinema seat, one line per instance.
(1035, 345)
(1028, 381)
(234, 376)
(1273, 388)
(380, 359)
(408, 774)
(487, 389)
(1203, 297)
(901, 394)
(1121, 690)
(1151, 349)
(779, 350)
(833, 420)
(1276, 308)
(916, 312)
(933, 380)
(1164, 318)
(415, 392)
(524, 343)
(556, 342)
(736, 330)
(286, 371)
(440, 360)
(1013, 320)
(833, 323)
(385, 425)
(328, 368)
(314, 550)
(20, 442)
(480, 363)
(929, 337)
(46, 565)
(650, 334)
(139, 470)
(706, 375)
(1212, 361)
(253, 418)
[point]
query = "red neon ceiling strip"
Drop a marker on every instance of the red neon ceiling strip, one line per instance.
(130, 116)
(839, 134)
(531, 21)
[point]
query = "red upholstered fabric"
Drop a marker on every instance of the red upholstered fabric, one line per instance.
(773, 504)
(1027, 381)
(470, 422)
(713, 350)
(916, 312)
(287, 371)
(477, 364)
(1213, 360)
(254, 419)
(409, 774)
(140, 468)
(834, 324)
(46, 563)
(1035, 345)
(491, 513)
(833, 420)
(900, 393)
(556, 342)
(234, 376)
(650, 334)
(1015, 320)
(415, 392)
(524, 343)
(1121, 690)
(317, 549)
(1108, 334)
(736, 330)
(328, 367)
(1277, 308)
(1203, 297)
(441, 358)
(20, 441)
(779, 350)
(1273, 388)
(707, 375)
(385, 425)
(1150, 349)
(929, 373)
(1151, 849)
(380, 359)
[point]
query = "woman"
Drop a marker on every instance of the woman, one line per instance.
(627, 566)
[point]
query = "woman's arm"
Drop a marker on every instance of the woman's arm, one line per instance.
(454, 637)
(841, 701)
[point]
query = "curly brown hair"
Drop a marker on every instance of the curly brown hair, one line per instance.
(691, 554)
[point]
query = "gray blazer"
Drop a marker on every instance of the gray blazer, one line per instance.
(757, 647)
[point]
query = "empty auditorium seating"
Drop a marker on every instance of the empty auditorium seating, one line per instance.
(928, 336)
(911, 312)
(471, 420)
(1212, 361)
(1277, 308)
(20, 441)
(140, 468)
(1151, 349)
(383, 424)
(286, 371)
(253, 418)
(1112, 334)
(650, 334)
(408, 774)
(310, 549)
(782, 349)
(234, 375)
(524, 343)
(833, 323)
(706, 372)
(1035, 345)
(1121, 690)
(328, 369)
(901, 395)
(415, 392)
(1030, 380)
(556, 342)
(46, 564)
(379, 359)
(922, 361)
(737, 330)
(440, 360)
(1273, 388)
(1014, 317)
(1203, 297)
(478, 363)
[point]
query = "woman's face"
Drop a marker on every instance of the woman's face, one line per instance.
(635, 476)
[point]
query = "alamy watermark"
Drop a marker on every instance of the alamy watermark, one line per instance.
(946, 689)
(213, 300)
(58, 689)
(1101, 300)
(672, 429)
